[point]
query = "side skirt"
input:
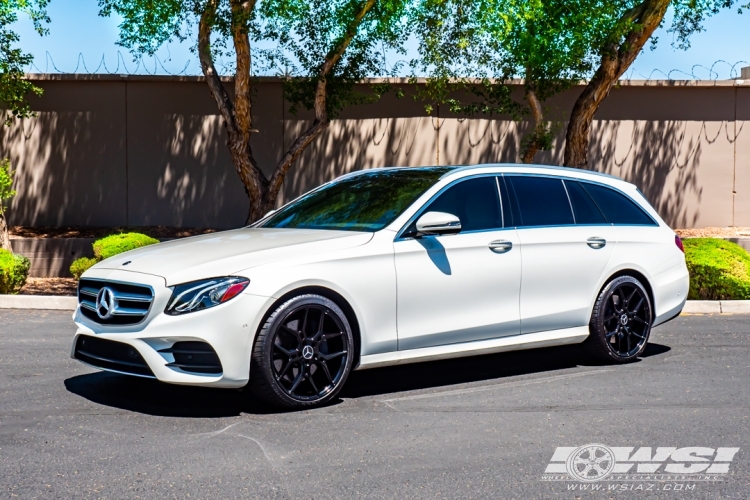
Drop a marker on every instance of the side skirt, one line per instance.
(514, 343)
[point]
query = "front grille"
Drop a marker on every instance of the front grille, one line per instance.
(131, 302)
(111, 355)
(197, 357)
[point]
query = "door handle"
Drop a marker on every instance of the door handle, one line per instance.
(500, 246)
(596, 242)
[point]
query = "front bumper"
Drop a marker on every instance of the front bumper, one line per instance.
(228, 328)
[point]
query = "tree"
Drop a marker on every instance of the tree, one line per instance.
(553, 45)
(635, 22)
(547, 43)
(14, 88)
(329, 44)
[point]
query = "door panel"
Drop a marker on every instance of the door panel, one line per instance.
(561, 270)
(566, 243)
(456, 288)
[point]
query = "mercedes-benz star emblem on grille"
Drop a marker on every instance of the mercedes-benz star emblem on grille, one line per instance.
(105, 303)
(307, 352)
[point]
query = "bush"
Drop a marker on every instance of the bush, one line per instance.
(119, 243)
(14, 269)
(719, 269)
(109, 247)
(80, 266)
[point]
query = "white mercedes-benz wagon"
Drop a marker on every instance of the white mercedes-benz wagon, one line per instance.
(389, 266)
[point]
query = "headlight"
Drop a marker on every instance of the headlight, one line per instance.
(197, 295)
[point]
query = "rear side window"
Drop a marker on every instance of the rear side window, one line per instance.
(584, 208)
(616, 207)
(542, 201)
(474, 201)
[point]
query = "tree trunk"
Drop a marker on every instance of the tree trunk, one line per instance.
(4, 234)
(237, 115)
(534, 143)
(615, 60)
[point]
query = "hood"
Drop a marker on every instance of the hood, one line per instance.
(228, 252)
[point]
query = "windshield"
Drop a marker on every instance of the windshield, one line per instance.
(364, 202)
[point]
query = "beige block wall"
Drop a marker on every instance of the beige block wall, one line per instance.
(151, 150)
(70, 160)
(741, 131)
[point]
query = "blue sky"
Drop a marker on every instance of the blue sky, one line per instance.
(79, 38)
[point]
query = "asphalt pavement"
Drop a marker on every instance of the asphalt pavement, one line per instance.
(480, 427)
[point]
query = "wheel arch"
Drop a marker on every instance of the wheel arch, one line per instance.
(330, 294)
(640, 277)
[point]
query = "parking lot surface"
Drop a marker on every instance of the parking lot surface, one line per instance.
(481, 427)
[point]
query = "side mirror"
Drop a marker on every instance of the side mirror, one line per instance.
(437, 223)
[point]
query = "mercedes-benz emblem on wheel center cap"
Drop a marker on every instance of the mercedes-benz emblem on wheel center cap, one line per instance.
(307, 352)
(105, 303)
(624, 319)
(592, 462)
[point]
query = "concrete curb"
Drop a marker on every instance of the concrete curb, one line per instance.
(54, 302)
(717, 307)
(69, 303)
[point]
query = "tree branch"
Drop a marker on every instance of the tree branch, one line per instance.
(645, 18)
(218, 91)
(534, 143)
(242, 88)
(321, 121)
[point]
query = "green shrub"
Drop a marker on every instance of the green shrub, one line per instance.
(118, 243)
(14, 269)
(80, 266)
(719, 269)
(110, 246)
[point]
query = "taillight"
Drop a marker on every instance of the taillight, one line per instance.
(678, 242)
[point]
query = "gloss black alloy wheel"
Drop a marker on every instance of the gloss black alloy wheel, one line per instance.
(621, 321)
(303, 353)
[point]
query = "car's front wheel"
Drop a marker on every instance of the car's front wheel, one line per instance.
(620, 322)
(303, 353)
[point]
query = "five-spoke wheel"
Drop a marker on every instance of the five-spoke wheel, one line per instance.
(621, 321)
(303, 354)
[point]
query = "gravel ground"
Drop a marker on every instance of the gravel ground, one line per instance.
(50, 286)
(715, 232)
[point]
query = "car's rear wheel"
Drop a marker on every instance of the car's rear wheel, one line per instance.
(303, 353)
(620, 322)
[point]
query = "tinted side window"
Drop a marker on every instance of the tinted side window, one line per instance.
(475, 202)
(584, 208)
(541, 200)
(617, 208)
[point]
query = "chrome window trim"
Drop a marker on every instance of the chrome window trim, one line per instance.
(500, 197)
(570, 203)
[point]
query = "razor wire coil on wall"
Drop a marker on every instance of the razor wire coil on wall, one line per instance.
(143, 67)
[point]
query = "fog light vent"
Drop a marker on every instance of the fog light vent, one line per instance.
(194, 356)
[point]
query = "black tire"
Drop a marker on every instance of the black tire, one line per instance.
(302, 354)
(620, 322)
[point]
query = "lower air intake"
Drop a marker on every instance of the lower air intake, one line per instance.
(111, 355)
